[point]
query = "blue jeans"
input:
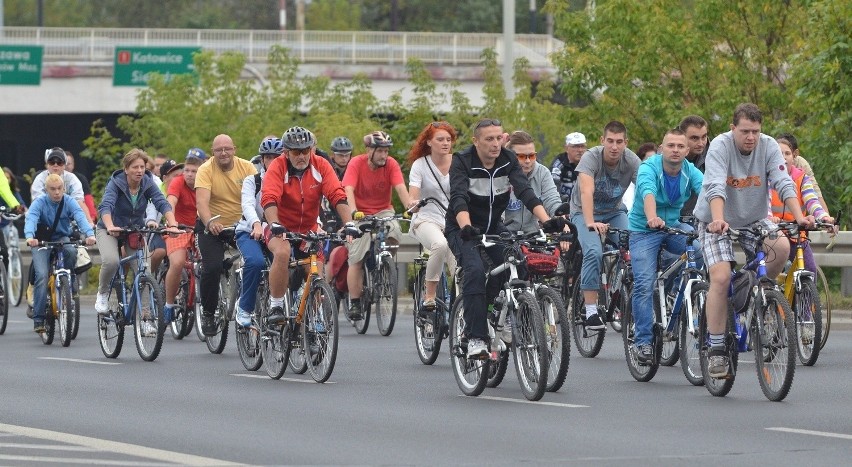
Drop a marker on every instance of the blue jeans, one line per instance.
(41, 269)
(253, 264)
(590, 242)
(644, 247)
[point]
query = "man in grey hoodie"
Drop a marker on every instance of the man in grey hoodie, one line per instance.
(517, 217)
(740, 166)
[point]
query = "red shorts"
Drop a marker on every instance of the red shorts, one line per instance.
(180, 241)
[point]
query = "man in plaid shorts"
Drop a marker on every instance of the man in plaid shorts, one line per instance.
(740, 167)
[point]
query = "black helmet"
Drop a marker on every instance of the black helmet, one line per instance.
(341, 144)
(298, 138)
(378, 139)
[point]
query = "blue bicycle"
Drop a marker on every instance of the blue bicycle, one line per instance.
(140, 302)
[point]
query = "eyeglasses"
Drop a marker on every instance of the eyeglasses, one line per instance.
(530, 157)
(226, 150)
(440, 124)
(55, 162)
(343, 154)
(487, 122)
(303, 152)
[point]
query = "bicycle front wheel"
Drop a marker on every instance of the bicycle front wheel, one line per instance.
(296, 359)
(75, 294)
(274, 341)
(386, 296)
(319, 336)
(642, 372)
(719, 387)
(178, 326)
(110, 327)
(216, 343)
(774, 336)
(249, 344)
(4, 300)
(66, 311)
(588, 342)
(690, 343)
(148, 321)
(557, 332)
(806, 306)
(363, 324)
(529, 347)
(825, 301)
(16, 277)
(471, 374)
(427, 330)
(670, 348)
(49, 316)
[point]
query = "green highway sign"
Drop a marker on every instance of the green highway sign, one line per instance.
(134, 65)
(20, 64)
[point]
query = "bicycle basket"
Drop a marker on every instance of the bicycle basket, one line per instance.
(541, 263)
(84, 261)
(742, 285)
(135, 241)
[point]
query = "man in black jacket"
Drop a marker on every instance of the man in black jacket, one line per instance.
(481, 178)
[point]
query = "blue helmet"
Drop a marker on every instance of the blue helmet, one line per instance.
(271, 146)
(198, 153)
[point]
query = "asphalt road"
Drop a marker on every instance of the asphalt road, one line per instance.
(67, 406)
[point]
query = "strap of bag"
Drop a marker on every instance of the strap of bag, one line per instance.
(58, 213)
(436, 178)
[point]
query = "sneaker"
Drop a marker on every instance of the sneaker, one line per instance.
(243, 317)
(168, 313)
(427, 307)
(30, 311)
(644, 354)
(477, 348)
(276, 316)
(208, 324)
(30, 292)
(594, 323)
(38, 326)
(101, 303)
(355, 311)
(148, 329)
(717, 365)
(506, 333)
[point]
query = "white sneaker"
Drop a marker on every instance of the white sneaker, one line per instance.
(148, 329)
(477, 348)
(243, 317)
(101, 304)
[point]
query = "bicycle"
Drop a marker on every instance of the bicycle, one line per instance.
(613, 297)
(380, 278)
(183, 314)
(229, 291)
(671, 332)
(59, 307)
(760, 319)
(517, 302)
(7, 279)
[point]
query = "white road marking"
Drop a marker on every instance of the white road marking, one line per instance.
(65, 460)
(108, 446)
(295, 380)
(826, 434)
(78, 360)
(46, 447)
(524, 401)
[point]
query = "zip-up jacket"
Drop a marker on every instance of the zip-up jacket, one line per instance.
(649, 180)
(484, 193)
(43, 211)
(298, 197)
(117, 201)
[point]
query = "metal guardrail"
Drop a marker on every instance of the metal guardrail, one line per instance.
(343, 47)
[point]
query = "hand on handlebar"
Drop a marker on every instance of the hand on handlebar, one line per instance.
(598, 227)
(469, 232)
(717, 227)
(554, 225)
(351, 231)
(90, 241)
(656, 223)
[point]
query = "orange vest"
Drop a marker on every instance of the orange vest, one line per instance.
(779, 209)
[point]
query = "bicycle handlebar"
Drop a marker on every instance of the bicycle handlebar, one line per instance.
(424, 202)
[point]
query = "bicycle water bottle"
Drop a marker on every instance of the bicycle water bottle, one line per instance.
(297, 298)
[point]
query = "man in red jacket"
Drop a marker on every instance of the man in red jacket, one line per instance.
(291, 195)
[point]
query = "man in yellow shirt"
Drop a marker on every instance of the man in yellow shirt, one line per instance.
(218, 187)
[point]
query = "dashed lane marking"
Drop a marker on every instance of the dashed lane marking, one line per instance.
(79, 360)
(826, 434)
(523, 401)
(295, 380)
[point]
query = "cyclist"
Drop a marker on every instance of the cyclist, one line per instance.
(741, 164)
(84, 181)
(56, 209)
(663, 183)
(430, 158)
(250, 230)
(168, 169)
(695, 129)
(9, 197)
(218, 192)
(341, 152)
(481, 178)
(517, 218)
(290, 195)
(181, 196)
(801, 163)
(564, 166)
(605, 172)
(123, 205)
(368, 182)
(54, 161)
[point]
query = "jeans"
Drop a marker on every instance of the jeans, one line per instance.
(590, 242)
(253, 264)
(644, 247)
(41, 268)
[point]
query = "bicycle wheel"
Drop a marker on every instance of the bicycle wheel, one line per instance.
(216, 343)
(319, 336)
(386, 296)
(16, 277)
(557, 332)
(110, 332)
(274, 341)
(427, 329)
(642, 372)
(179, 315)
(249, 341)
(65, 310)
(148, 320)
(588, 342)
(75, 294)
(615, 318)
(809, 321)
(529, 347)
(49, 315)
(690, 344)
(497, 369)
(362, 324)
(4, 300)
(471, 374)
(670, 352)
(774, 337)
(296, 359)
(718, 387)
(825, 301)
(198, 308)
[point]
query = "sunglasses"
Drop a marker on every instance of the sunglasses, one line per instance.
(343, 154)
(296, 152)
(487, 122)
(530, 157)
(55, 162)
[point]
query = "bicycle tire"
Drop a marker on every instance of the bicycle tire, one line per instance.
(250, 343)
(808, 312)
(65, 310)
(110, 332)
(148, 314)
(670, 350)
(386, 296)
(716, 386)
(616, 319)
(557, 332)
(217, 342)
(363, 324)
(825, 301)
(16, 277)
(275, 342)
(775, 329)
(177, 327)
(4, 300)
(470, 374)
(497, 369)
(199, 309)
(529, 347)
(296, 358)
(49, 315)
(690, 344)
(588, 343)
(320, 332)
(427, 330)
(75, 294)
(639, 372)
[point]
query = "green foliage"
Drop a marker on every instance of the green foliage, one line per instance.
(106, 151)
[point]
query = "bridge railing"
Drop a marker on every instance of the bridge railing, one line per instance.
(342, 47)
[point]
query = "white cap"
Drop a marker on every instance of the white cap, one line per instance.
(575, 138)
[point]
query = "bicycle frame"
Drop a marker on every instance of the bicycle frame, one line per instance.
(129, 307)
(689, 276)
(57, 270)
(743, 322)
(313, 274)
(793, 279)
(512, 285)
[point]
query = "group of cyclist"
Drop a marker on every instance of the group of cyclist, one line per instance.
(495, 185)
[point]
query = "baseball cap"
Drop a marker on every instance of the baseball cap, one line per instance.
(575, 138)
(169, 166)
(54, 153)
(197, 153)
